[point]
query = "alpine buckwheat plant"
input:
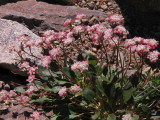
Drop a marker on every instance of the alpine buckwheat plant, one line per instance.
(90, 72)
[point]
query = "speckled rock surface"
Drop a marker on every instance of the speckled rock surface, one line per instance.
(9, 30)
(39, 16)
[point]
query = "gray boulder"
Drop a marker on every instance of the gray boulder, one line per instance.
(40, 16)
(9, 30)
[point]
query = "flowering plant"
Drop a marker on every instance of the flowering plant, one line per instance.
(89, 72)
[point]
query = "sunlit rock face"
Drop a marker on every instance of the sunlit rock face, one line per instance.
(9, 31)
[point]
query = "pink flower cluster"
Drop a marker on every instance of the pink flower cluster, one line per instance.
(100, 33)
(8, 96)
(153, 56)
(126, 117)
(35, 115)
(97, 33)
(81, 65)
(22, 99)
(115, 18)
(63, 90)
(30, 90)
(55, 52)
(45, 61)
(143, 47)
(3, 95)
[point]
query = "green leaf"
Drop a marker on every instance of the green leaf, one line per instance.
(155, 117)
(72, 116)
(145, 108)
(96, 115)
(46, 87)
(93, 62)
(135, 117)
(20, 89)
(91, 57)
(68, 72)
(43, 72)
(54, 117)
(105, 70)
(99, 70)
(54, 66)
(80, 57)
(111, 117)
(127, 94)
(60, 82)
(117, 85)
(99, 85)
(89, 94)
(41, 100)
(55, 89)
(72, 109)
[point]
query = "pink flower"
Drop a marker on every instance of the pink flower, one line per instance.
(82, 66)
(120, 29)
(30, 90)
(78, 29)
(88, 29)
(49, 39)
(142, 49)
(80, 17)
(32, 70)
(113, 42)
(40, 42)
(138, 40)
(12, 93)
(68, 40)
(67, 22)
(55, 52)
(3, 95)
(95, 38)
(94, 27)
(69, 34)
(45, 61)
(48, 33)
(63, 91)
(25, 64)
(108, 34)
(31, 78)
(115, 18)
(29, 43)
(153, 56)
(23, 38)
(35, 115)
(75, 88)
(11, 47)
(151, 42)
(126, 117)
(132, 48)
(22, 99)
(61, 35)
(129, 42)
(100, 28)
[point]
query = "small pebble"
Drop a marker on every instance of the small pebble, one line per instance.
(1, 85)
(104, 7)
(7, 87)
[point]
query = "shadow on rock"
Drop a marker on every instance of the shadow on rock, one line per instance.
(141, 20)
(3, 2)
(61, 2)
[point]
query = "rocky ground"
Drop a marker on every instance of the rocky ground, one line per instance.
(35, 16)
(141, 22)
